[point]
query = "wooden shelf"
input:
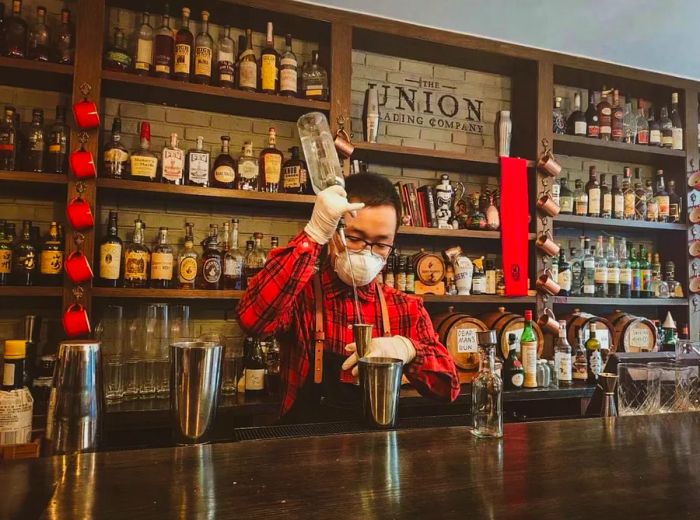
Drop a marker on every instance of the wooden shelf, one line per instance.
(623, 302)
(29, 292)
(18, 177)
(452, 233)
(611, 150)
(478, 298)
(40, 75)
(164, 294)
(609, 223)
(122, 85)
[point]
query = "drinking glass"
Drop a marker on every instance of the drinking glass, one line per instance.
(113, 379)
(180, 325)
(694, 388)
(132, 378)
(162, 378)
(674, 386)
(110, 331)
(233, 364)
(155, 329)
(637, 389)
(147, 389)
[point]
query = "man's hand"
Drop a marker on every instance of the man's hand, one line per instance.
(397, 347)
(331, 204)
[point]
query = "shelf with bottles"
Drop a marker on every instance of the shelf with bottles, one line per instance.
(611, 150)
(165, 294)
(615, 224)
(479, 298)
(620, 302)
(30, 291)
(452, 233)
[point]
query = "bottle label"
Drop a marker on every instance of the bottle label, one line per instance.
(619, 205)
(226, 66)
(556, 191)
(596, 363)
(254, 378)
(247, 169)
(601, 275)
(248, 74)
(594, 201)
(563, 363)
(564, 279)
(517, 379)
(233, 267)
(8, 375)
(677, 138)
(581, 206)
(490, 282)
(199, 168)
(5, 261)
(313, 90)
(211, 270)
(224, 174)
(188, 269)
(593, 131)
(292, 177)
(566, 203)
(580, 128)
(613, 275)
(674, 212)
(625, 276)
(630, 202)
(142, 166)
(202, 61)
(144, 55)
(173, 162)
(115, 155)
(652, 210)
(162, 266)
(643, 136)
(288, 79)
(136, 265)
(528, 352)
(636, 280)
(273, 168)
(662, 201)
(580, 366)
(646, 280)
(654, 136)
(607, 204)
(51, 262)
(268, 71)
(110, 261)
(182, 58)
(605, 120)
(163, 61)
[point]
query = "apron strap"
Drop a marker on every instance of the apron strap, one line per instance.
(319, 334)
(386, 324)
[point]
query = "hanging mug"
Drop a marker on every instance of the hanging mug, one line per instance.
(694, 278)
(694, 240)
(695, 215)
(547, 245)
(78, 268)
(547, 205)
(75, 321)
(548, 164)
(82, 163)
(85, 111)
(548, 322)
(343, 145)
(79, 214)
(694, 179)
(546, 283)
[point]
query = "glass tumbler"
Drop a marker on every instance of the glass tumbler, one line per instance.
(110, 333)
(674, 386)
(638, 389)
(233, 364)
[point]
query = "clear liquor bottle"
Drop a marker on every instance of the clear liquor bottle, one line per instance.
(226, 59)
(15, 33)
(223, 174)
(24, 258)
(487, 393)
(642, 124)
(314, 80)
(640, 197)
(115, 159)
(589, 271)
(625, 270)
(255, 260)
(248, 171)
(59, 143)
(606, 201)
(662, 197)
(187, 264)
(580, 199)
(605, 116)
(269, 64)
(566, 198)
(617, 125)
(618, 199)
(233, 261)
(675, 203)
(613, 270)
(558, 119)
(576, 124)
(172, 163)
(289, 77)
(676, 125)
(36, 146)
(562, 357)
(628, 195)
(211, 260)
(184, 46)
(162, 262)
(165, 48)
(63, 46)
(38, 40)
(666, 128)
(271, 160)
(601, 271)
(564, 274)
(111, 249)
(652, 204)
(593, 192)
(629, 124)
(203, 53)
(8, 140)
(198, 160)
(117, 57)
(137, 259)
(144, 163)
(580, 363)
(248, 66)
(592, 121)
(143, 60)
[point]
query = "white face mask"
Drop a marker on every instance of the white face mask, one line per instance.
(365, 266)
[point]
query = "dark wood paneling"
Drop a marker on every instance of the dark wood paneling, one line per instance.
(35, 74)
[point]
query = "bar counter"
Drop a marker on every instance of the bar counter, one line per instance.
(626, 467)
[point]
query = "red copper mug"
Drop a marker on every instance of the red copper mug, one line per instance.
(546, 284)
(695, 215)
(75, 321)
(343, 145)
(86, 115)
(547, 245)
(79, 214)
(82, 163)
(694, 240)
(548, 322)
(547, 205)
(549, 165)
(78, 268)
(694, 180)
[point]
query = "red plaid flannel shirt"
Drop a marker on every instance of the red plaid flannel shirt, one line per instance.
(281, 299)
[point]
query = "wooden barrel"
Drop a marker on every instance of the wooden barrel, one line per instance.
(633, 333)
(457, 331)
(505, 323)
(578, 320)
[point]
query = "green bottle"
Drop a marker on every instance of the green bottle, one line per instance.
(528, 352)
(645, 269)
(636, 273)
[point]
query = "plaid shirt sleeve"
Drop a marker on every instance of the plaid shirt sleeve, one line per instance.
(265, 308)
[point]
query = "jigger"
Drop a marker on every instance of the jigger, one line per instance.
(362, 333)
(607, 382)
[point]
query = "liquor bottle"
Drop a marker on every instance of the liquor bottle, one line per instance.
(593, 357)
(248, 66)
(580, 363)
(269, 64)
(117, 57)
(593, 192)
(111, 248)
(652, 204)
(51, 258)
(662, 197)
(137, 258)
(255, 260)
(254, 365)
(295, 176)
(625, 270)
(605, 116)
(36, 142)
(528, 352)
(203, 53)
(577, 119)
(640, 197)
(628, 195)
(144, 163)
(513, 372)
(642, 124)
(566, 198)
(564, 275)
(655, 138)
(629, 125)
(15, 29)
(554, 267)
(555, 192)
(162, 261)
(24, 271)
(8, 140)
(676, 125)
(592, 121)
(558, 119)
(172, 163)
(314, 80)
(187, 261)
(223, 173)
(236, 66)
(143, 60)
(115, 156)
(577, 271)
(580, 199)
(645, 272)
(233, 261)
(675, 288)
(289, 80)
(636, 290)
(271, 160)
(601, 270)
(675, 204)
(248, 172)
(57, 152)
(562, 357)
(5, 255)
(63, 46)
(389, 278)
(605, 197)
(226, 58)
(184, 43)
(487, 392)
(165, 48)
(618, 199)
(613, 270)
(198, 160)
(666, 128)
(211, 260)
(617, 125)
(656, 264)
(38, 39)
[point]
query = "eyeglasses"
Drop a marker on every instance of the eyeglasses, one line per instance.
(358, 244)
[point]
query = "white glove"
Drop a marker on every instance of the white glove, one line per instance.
(397, 347)
(331, 204)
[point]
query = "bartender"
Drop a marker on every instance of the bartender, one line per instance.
(304, 296)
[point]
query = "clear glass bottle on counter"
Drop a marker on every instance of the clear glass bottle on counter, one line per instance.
(487, 392)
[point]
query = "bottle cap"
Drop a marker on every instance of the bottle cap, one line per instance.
(145, 130)
(487, 337)
(528, 315)
(15, 349)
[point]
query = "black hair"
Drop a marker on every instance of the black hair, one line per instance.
(374, 190)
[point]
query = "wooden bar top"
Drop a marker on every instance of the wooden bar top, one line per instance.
(626, 467)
